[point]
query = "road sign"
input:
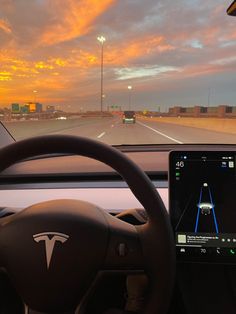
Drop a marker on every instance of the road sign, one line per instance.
(15, 108)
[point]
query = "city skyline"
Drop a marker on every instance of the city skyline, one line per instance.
(181, 54)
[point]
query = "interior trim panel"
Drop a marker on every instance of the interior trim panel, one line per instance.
(114, 199)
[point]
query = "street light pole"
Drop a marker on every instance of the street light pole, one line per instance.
(101, 39)
(35, 94)
(209, 97)
(130, 88)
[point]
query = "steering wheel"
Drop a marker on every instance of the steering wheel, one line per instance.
(53, 251)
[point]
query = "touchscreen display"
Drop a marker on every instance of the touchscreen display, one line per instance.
(203, 205)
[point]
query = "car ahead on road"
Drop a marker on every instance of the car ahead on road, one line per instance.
(129, 117)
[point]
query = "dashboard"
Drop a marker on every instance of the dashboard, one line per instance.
(199, 195)
(180, 173)
(76, 177)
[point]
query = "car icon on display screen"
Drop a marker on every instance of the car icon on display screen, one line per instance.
(205, 208)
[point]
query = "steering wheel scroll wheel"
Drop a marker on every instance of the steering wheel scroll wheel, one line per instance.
(53, 251)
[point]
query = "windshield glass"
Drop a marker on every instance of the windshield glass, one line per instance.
(75, 67)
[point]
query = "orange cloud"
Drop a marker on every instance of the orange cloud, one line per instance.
(231, 36)
(5, 26)
(49, 84)
(5, 76)
(113, 55)
(68, 70)
(135, 49)
(201, 70)
(22, 76)
(60, 62)
(74, 18)
(43, 65)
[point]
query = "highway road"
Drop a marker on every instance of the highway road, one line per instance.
(111, 130)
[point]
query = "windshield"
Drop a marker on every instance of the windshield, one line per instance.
(75, 67)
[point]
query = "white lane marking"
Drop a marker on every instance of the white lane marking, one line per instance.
(158, 132)
(101, 135)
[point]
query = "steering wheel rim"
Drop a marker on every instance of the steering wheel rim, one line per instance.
(156, 236)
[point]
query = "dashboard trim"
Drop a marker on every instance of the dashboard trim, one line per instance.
(116, 200)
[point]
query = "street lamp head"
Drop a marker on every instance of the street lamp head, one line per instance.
(101, 39)
(130, 87)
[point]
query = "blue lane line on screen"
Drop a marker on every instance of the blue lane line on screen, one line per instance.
(213, 212)
(198, 212)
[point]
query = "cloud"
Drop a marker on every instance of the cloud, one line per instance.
(225, 61)
(134, 73)
(72, 18)
(5, 26)
(196, 44)
(5, 76)
(51, 46)
(130, 51)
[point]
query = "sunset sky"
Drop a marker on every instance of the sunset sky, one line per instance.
(172, 52)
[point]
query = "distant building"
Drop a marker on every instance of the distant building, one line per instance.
(35, 107)
(200, 111)
(50, 108)
(32, 107)
(39, 107)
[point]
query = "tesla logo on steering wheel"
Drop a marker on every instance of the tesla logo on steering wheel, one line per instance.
(50, 238)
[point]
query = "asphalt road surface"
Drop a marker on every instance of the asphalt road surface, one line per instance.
(111, 130)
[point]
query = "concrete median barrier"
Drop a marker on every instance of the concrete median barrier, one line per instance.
(213, 124)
